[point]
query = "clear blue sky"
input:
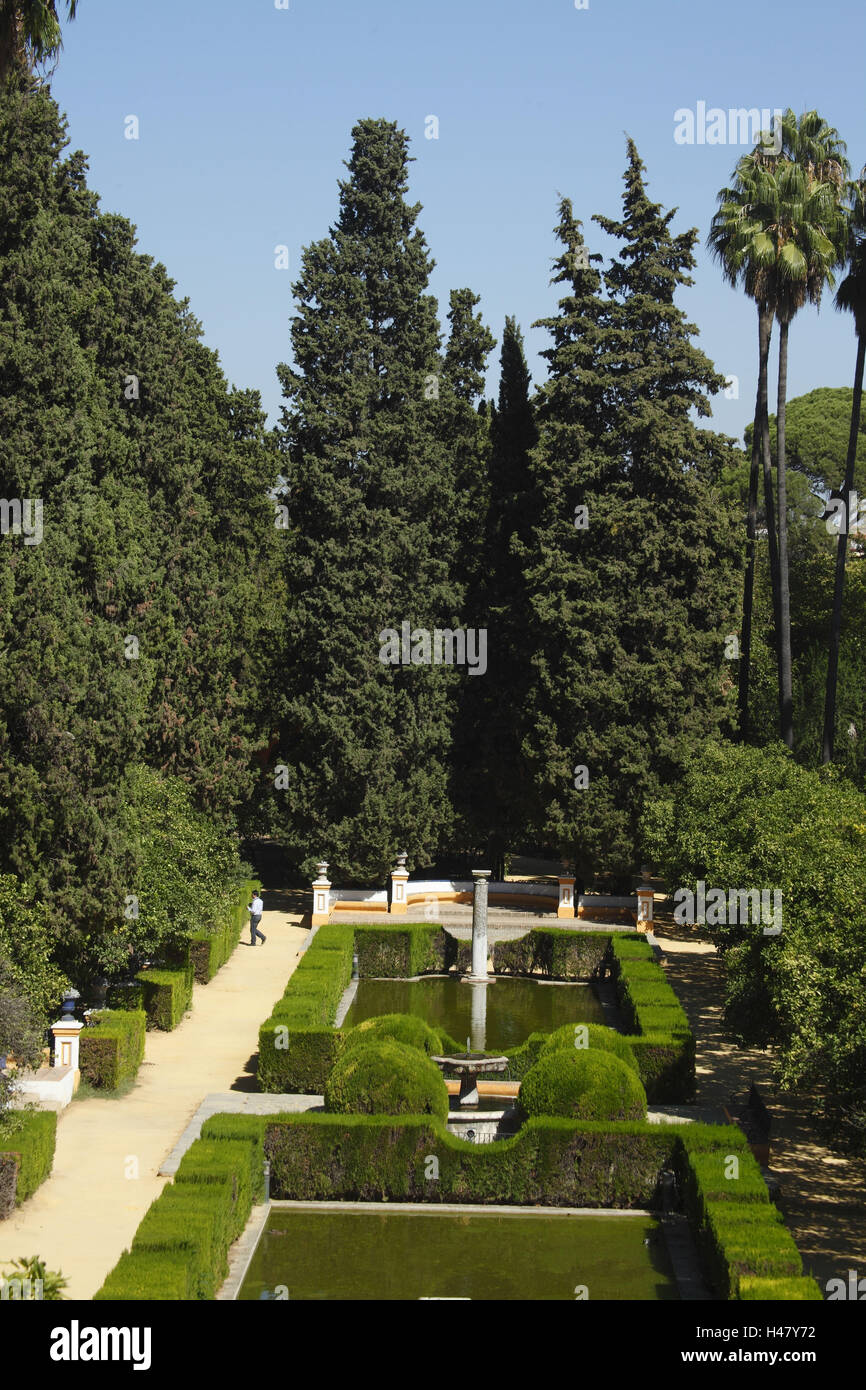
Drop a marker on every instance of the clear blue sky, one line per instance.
(245, 115)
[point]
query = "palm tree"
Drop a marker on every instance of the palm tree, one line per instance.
(737, 239)
(851, 295)
(809, 228)
(30, 32)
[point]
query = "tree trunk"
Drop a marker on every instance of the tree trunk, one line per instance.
(769, 505)
(765, 327)
(841, 557)
(786, 697)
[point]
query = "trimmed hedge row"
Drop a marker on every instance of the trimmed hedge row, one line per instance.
(386, 1077)
(208, 952)
(30, 1136)
(112, 1051)
(659, 1031)
(180, 1250)
(739, 1233)
(298, 1047)
(804, 1289)
(404, 950)
(166, 995)
(556, 953)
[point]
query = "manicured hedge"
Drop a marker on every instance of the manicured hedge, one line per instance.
(549, 1162)
(583, 1085)
(208, 951)
(403, 1028)
(180, 1250)
(166, 995)
(404, 950)
(141, 1275)
(298, 1046)
(111, 1051)
(658, 1029)
(566, 1039)
(556, 953)
(386, 1077)
(31, 1135)
(8, 1182)
(789, 1290)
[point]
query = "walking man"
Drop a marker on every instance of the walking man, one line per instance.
(255, 909)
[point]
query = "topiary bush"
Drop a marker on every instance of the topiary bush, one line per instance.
(403, 1028)
(583, 1085)
(569, 1039)
(386, 1078)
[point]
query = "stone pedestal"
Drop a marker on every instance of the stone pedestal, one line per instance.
(321, 895)
(645, 896)
(66, 1033)
(566, 897)
(399, 880)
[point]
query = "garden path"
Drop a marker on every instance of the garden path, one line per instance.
(823, 1193)
(109, 1150)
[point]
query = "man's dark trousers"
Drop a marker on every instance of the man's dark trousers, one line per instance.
(254, 929)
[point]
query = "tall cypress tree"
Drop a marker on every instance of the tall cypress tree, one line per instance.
(372, 496)
(635, 595)
(490, 751)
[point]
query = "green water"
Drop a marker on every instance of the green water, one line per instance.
(395, 1254)
(515, 1007)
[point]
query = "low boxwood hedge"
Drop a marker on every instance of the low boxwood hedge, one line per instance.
(404, 950)
(385, 1077)
(549, 1162)
(298, 1046)
(111, 1050)
(29, 1135)
(145, 1275)
(747, 1238)
(554, 952)
(221, 1162)
(751, 1286)
(583, 1084)
(209, 951)
(166, 995)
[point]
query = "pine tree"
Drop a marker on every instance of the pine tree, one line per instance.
(372, 545)
(634, 595)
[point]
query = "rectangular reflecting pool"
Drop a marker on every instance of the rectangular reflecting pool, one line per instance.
(512, 1007)
(309, 1254)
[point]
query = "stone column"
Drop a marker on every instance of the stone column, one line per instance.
(478, 1018)
(479, 924)
(321, 895)
(399, 880)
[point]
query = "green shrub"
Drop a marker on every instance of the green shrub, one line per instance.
(166, 996)
(32, 1135)
(404, 1028)
(332, 936)
(631, 946)
(296, 1055)
(706, 1181)
(746, 1238)
(145, 1275)
(193, 1222)
(790, 1290)
(224, 1162)
(8, 1181)
(404, 950)
(550, 1162)
(386, 1078)
(245, 1129)
(556, 953)
(209, 951)
(583, 1085)
(111, 1051)
(565, 1039)
(666, 1063)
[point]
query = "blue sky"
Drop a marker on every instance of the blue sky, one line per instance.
(245, 112)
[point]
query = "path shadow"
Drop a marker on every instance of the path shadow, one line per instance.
(249, 1080)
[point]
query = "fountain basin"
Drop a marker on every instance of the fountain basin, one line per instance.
(467, 1066)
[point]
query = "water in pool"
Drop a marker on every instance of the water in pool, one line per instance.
(326, 1254)
(514, 1007)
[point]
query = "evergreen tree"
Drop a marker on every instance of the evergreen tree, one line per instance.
(490, 752)
(634, 602)
(372, 544)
